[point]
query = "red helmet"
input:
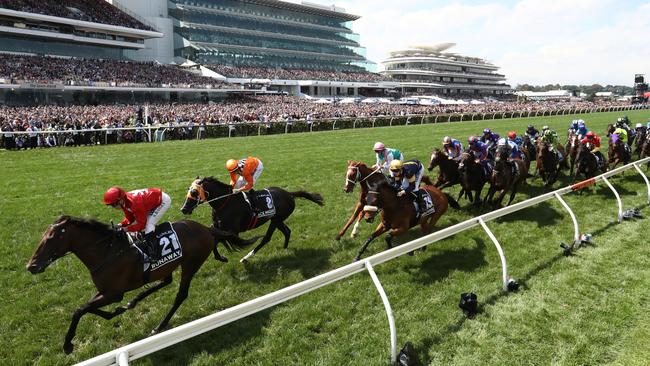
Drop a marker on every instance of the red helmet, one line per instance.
(591, 134)
(512, 135)
(113, 195)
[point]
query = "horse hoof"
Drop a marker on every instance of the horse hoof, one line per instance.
(337, 238)
(243, 260)
(356, 259)
(68, 348)
(221, 258)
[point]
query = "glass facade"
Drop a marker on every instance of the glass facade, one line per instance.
(13, 44)
(239, 33)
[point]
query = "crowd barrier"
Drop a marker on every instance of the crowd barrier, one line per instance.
(123, 355)
(175, 132)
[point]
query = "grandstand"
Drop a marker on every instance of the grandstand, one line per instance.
(430, 69)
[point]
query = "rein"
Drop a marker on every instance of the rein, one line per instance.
(356, 179)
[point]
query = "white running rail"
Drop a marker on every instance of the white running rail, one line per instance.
(144, 347)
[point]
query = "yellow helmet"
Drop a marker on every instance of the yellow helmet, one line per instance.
(232, 165)
(395, 165)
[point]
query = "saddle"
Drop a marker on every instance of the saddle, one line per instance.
(261, 203)
(167, 243)
(423, 203)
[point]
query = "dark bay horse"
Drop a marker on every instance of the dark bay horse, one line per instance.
(448, 174)
(115, 265)
(586, 163)
(571, 148)
(232, 213)
(472, 177)
(645, 149)
(547, 163)
(398, 213)
(617, 153)
(358, 172)
(640, 141)
(507, 175)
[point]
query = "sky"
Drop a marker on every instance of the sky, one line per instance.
(533, 41)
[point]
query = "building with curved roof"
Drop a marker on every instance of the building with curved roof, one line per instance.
(431, 69)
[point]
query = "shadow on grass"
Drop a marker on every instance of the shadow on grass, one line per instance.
(215, 341)
(438, 266)
(310, 262)
(542, 213)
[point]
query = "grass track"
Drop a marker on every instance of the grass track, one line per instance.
(587, 309)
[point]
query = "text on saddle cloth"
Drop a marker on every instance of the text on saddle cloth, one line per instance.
(168, 245)
(263, 201)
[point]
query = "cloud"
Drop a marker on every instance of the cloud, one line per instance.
(533, 41)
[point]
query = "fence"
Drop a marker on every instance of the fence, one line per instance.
(121, 356)
(176, 132)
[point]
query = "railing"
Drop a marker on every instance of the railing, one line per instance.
(121, 356)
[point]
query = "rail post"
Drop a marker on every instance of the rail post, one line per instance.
(636, 166)
(122, 358)
(576, 228)
(504, 265)
(618, 199)
(389, 312)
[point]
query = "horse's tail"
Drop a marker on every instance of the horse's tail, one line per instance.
(314, 197)
(452, 202)
(426, 180)
(232, 241)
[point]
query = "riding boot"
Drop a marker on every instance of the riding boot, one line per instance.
(420, 200)
(251, 199)
(151, 247)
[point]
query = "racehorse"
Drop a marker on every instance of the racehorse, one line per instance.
(506, 176)
(547, 163)
(232, 212)
(640, 141)
(472, 177)
(398, 214)
(116, 267)
(586, 162)
(645, 149)
(617, 153)
(528, 146)
(448, 174)
(358, 172)
(572, 145)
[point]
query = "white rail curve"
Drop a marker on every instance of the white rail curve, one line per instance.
(144, 347)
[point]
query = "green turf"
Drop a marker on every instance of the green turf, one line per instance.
(588, 309)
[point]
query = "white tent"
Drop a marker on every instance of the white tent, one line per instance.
(211, 74)
(322, 101)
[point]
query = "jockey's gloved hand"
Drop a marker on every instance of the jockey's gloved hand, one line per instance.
(401, 193)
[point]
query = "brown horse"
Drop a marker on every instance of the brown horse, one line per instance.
(506, 176)
(640, 141)
(645, 149)
(358, 172)
(586, 163)
(398, 214)
(115, 265)
(547, 163)
(571, 148)
(472, 177)
(448, 174)
(617, 153)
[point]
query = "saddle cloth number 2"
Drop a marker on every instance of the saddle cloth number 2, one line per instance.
(427, 200)
(169, 244)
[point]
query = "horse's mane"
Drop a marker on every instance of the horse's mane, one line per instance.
(91, 224)
(214, 180)
(356, 163)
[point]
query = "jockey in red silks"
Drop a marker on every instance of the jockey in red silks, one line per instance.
(143, 208)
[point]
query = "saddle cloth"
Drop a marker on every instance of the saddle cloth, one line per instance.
(428, 207)
(168, 245)
(263, 201)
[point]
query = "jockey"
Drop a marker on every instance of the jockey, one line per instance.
(544, 129)
(452, 147)
(480, 152)
(244, 173)
(622, 122)
(532, 133)
(582, 129)
(550, 137)
(513, 149)
(512, 136)
(385, 156)
(489, 137)
(143, 209)
(594, 140)
(406, 178)
(641, 129)
(621, 134)
(573, 127)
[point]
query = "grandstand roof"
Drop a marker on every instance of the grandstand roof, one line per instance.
(437, 50)
(305, 7)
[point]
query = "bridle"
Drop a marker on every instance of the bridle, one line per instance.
(203, 194)
(358, 175)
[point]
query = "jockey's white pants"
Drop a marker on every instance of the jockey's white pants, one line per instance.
(156, 214)
(242, 182)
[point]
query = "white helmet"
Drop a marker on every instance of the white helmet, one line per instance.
(446, 140)
(638, 125)
(501, 142)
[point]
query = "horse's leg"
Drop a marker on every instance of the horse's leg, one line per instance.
(513, 192)
(498, 202)
(181, 295)
(131, 304)
(96, 302)
(357, 209)
(355, 228)
(378, 231)
(266, 239)
(286, 231)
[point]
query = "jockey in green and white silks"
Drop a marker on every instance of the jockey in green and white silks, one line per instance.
(550, 137)
(385, 155)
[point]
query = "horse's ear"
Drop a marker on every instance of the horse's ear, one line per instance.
(197, 177)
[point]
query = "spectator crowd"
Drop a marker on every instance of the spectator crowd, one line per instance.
(252, 72)
(96, 11)
(188, 120)
(77, 71)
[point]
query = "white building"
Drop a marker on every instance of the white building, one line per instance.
(429, 69)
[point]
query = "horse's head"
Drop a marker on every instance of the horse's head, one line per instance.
(436, 156)
(352, 176)
(194, 197)
(610, 129)
(53, 245)
(502, 154)
(465, 160)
